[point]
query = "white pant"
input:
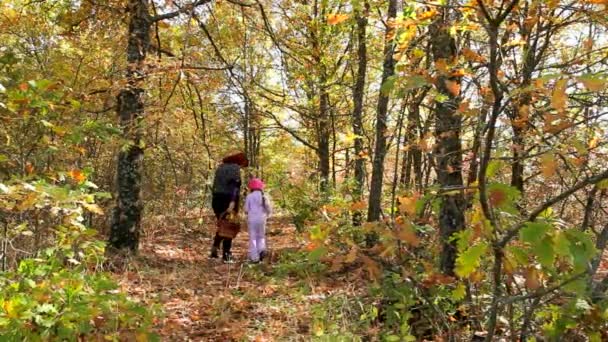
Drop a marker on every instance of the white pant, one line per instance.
(257, 237)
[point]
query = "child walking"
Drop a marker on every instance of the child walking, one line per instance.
(257, 208)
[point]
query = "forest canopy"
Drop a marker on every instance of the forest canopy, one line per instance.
(450, 156)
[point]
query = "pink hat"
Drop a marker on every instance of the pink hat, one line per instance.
(256, 184)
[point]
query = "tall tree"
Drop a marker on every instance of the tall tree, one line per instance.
(358, 101)
(388, 70)
(448, 150)
(126, 219)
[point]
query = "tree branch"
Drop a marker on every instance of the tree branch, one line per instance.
(182, 10)
(536, 212)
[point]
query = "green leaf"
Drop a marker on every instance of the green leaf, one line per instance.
(534, 232)
(493, 167)
(520, 255)
(415, 82)
(595, 337)
(545, 252)
(578, 286)
(459, 292)
(469, 260)
(582, 249)
(317, 253)
(502, 195)
(561, 244)
(388, 85)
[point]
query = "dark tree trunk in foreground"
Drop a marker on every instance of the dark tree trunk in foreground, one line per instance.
(124, 233)
(358, 97)
(448, 152)
(388, 70)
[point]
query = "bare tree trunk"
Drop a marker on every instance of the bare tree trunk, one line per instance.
(375, 196)
(124, 233)
(358, 97)
(448, 151)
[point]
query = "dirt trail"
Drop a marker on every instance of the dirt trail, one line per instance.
(207, 300)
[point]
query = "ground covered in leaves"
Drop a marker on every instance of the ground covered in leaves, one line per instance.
(206, 300)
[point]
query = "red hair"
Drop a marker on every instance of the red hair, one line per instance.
(238, 158)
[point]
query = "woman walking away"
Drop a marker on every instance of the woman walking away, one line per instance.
(258, 208)
(225, 198)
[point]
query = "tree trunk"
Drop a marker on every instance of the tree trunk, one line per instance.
(517, 168)
(448, 151)
(124, 233)
(375, 196)
(358, 97)
(323, 136)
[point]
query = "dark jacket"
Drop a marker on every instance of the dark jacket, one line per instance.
(227, 180)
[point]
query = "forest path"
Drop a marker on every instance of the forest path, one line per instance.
(206, 300)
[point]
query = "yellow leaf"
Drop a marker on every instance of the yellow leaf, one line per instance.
(28, 202)
(407, 205)
(559, 97)
(593, 84)
(94, 208)
(594, 142)
(548, 165)
(9, 308)
(334, 19)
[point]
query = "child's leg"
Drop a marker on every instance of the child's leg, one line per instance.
(254, 233)
(261, 238)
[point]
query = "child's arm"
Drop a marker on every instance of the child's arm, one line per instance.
(247, 204)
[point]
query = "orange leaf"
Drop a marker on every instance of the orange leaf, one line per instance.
(532, 279)
(358, 206)
(371, 267)
(407, 234)
(453, 87)
(407, 205)
(334, 19)
(77, 175)
(23, 86)
(472, 56)
(442, 66)
(459, 72)
(497, 197)
(29, 168)
(427, 14)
